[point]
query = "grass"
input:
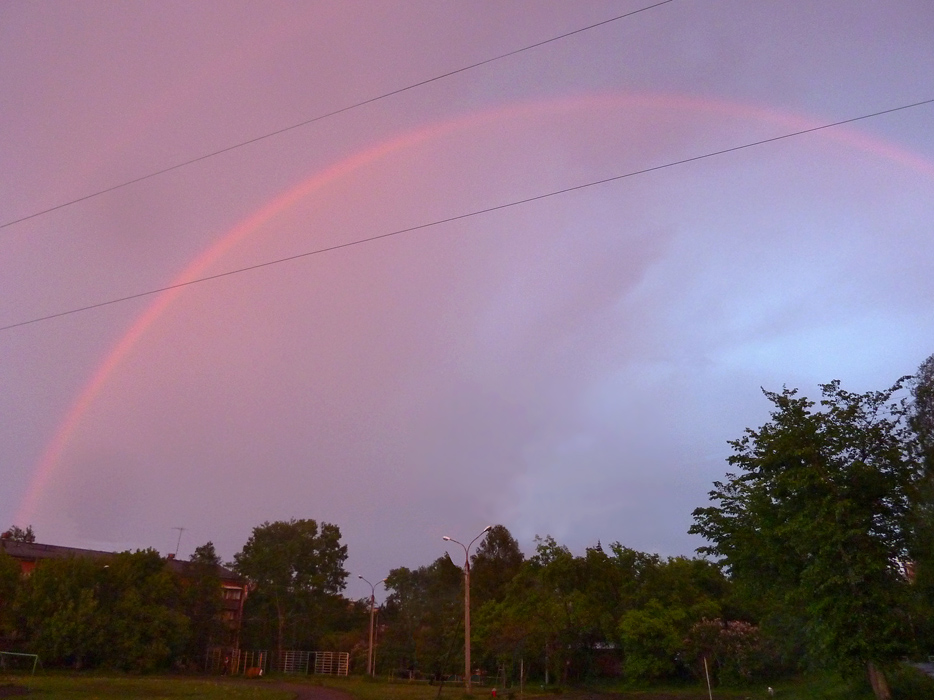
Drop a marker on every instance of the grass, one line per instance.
(907, 684)
(366, 689)
(362, 688)
(55, 686)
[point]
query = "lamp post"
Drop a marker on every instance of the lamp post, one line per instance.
(467, 600)
(370, 666)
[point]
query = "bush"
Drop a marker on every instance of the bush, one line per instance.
(735, 651)
(909, 683)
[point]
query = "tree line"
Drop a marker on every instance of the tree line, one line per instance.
(128, 611)
(819, 554)
(136, 611)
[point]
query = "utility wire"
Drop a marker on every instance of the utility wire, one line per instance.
(467, 215)
(326, 115)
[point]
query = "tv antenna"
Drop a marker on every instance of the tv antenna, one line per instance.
(180, 531)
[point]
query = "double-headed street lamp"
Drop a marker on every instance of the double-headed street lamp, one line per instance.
(370, 666)
(467, 600)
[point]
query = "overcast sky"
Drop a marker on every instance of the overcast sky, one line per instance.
(570, 366)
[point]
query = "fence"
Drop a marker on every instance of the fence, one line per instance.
(335, 663)
(240, 661)
(235, 661)
(293, 661)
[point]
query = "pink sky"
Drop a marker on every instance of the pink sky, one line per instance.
(572, 366)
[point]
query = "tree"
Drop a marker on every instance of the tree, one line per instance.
(139, 606)
(922, 545)
(201, 600)
(424, 615)
(922, 411)
(542, 612)
(494, 564)
(296, 566)
(729, 651)
(10, 579)
(650, 637)
(18, 534)
(206, 556)
(818, 518)
(120, 612)
(61, 611)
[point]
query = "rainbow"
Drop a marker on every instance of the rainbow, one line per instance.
(51, 457)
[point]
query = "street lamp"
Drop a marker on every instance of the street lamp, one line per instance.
(370, 666)
(467, 600)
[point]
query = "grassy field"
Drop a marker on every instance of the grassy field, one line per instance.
(99, 687)
(365, 689)
(907, 685)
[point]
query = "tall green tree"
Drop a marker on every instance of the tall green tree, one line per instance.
(424, 615)
(139, 599)
(922, 410)
(494, 564)
(922, 545)
(543, 614)
(10, 583)
(671, 596)
(297, 568)
(61, 611)
(121, 612)
(201, 600)
(818, 516)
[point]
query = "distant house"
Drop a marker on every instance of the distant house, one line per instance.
(233, 588)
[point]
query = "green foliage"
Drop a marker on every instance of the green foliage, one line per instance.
(549, 596)
(909, 683)
(666, 599)
(818, 517)
(425, 612)
(735, 652)
(495, 563)
(294, 555)
(922, 543)
(141, 596)
(298, 570)
(651, 636)
(594, 614)
(121, 614)
(61, 609)
(201, 601)
(922, 410)
(9, 589)
(206, 557)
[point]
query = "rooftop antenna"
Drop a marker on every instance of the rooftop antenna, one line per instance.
(180, 531)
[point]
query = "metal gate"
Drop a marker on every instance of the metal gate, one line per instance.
(335, 663)
(293, 662)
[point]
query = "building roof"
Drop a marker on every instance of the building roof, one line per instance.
(35, 551)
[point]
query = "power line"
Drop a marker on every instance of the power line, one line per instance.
(467, 215)
(335, 112)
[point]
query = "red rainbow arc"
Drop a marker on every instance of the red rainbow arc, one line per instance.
(52, 455)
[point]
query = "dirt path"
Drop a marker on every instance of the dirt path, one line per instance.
(310, 692)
